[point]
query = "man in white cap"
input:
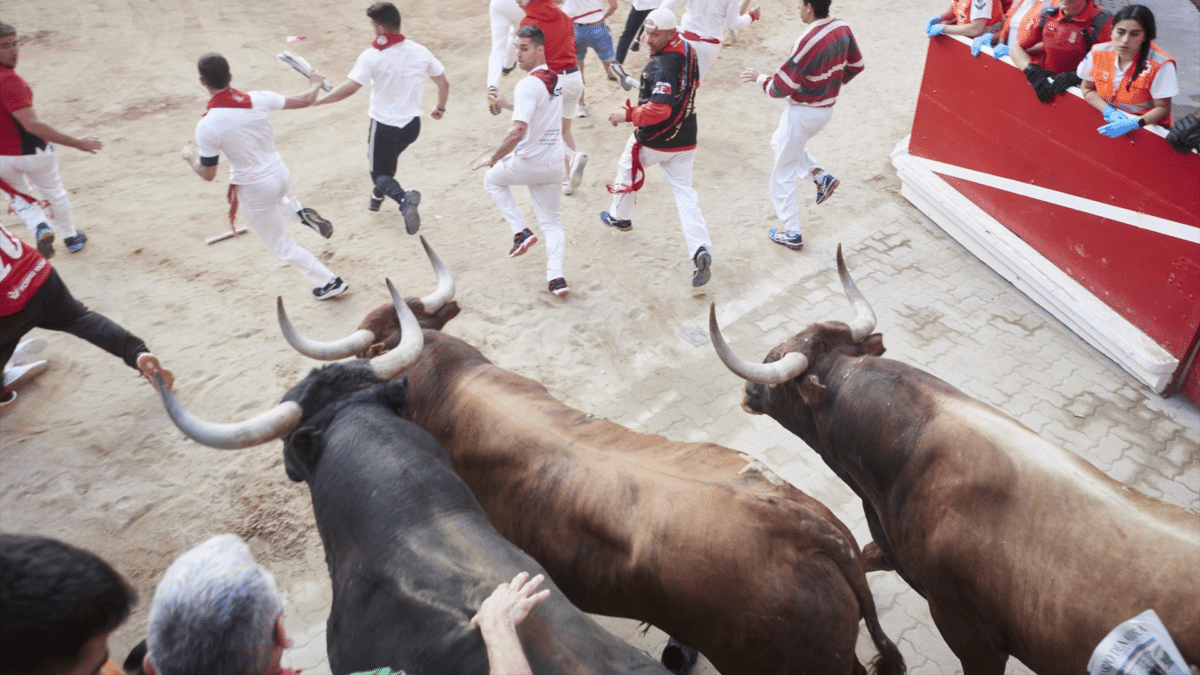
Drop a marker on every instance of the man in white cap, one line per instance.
(665, 134)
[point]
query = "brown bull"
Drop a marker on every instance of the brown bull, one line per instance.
(1020, 546)
(760, 578)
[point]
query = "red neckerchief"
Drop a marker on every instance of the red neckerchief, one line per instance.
(548, 78)
(384, 41)
(229, 98)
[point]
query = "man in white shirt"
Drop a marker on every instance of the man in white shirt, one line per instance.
(704, 22)
(531, 154)
(238, 124)
(396, 67)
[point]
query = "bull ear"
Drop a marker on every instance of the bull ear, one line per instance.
(301, 452)
(873, 345)
(811, 390)
(396, 392)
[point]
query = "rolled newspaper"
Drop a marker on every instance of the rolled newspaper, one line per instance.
(302, 67)
(1140, 646)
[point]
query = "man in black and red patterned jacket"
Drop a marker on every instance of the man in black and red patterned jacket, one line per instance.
(824, 58)
(665, 134)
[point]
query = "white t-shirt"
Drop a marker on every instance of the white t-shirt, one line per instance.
(245, 136)
(534, 105)
(643, 5)
(397, 78)
(708, 18)
(1165, 84)
(584, 11)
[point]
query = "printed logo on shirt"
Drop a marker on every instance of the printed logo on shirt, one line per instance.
(980, 4)
(662, 88)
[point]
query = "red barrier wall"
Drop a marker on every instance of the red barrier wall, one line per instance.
(981, 114)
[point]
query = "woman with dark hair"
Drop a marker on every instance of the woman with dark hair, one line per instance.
(1130, 80)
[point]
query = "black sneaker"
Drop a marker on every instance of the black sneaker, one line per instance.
(622, 225)
(521, 242)
(703, 261)
(311, 218)
(75, 244)
(8, 396)
(678, 657)
(45, 241)
(376, 201)
(408, 207)
(559, 287)
(331, 289)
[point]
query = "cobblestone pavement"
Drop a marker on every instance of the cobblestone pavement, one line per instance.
(939, 309)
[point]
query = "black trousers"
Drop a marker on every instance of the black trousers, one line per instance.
(632, 24)
(385, 143)
(54, 308)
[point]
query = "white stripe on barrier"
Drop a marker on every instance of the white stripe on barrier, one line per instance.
(1170, 228)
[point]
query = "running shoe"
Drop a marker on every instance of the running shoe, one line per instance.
(825, 187)
(521, 242)
(703, 261)
(792, 241)
(45, 241)
(622, 225)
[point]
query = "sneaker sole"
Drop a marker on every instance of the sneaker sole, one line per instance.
(524, 247)
(19, 375)
(27, 350)
(702, 273)
(561, 292)
(794, 247)
(322, 226)
(829, 192)
(412, 218)
(334, 293)
(45, 244)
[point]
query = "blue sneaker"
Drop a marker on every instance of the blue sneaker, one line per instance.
(703, 261)
(825, 187)
(622, 225)
(75, 244)
(792, 241)
(45, 241)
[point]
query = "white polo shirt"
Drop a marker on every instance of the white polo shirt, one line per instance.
(397, 78)
(245, 136)
(534, 105)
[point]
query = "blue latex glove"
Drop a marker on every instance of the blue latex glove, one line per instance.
(935, 29)
(936, 19)
(1000, 51)
(980, 42)
(1119, 128)
(1111, 114)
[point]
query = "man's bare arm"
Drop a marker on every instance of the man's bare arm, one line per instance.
(30, 122)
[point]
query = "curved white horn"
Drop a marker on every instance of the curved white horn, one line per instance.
(864, 320)
(273, 424)
(412, 340)
(355, 343)
(445, 288)
(790, 366)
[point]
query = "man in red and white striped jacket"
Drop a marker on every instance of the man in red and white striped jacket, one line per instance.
(824, 57)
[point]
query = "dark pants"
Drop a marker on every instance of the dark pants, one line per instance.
(54, 308)
(385, 143)
(632, 24)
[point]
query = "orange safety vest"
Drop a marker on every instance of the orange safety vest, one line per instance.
(962, 12)
(1131, 96)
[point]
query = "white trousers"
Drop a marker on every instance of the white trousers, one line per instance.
(505, 16)
(792, 159)
(677, 169)
(267, 207)
(41, 169)
(572, 89)
(545, 188)
(706, 55)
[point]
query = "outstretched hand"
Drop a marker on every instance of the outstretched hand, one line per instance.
(510, 603)
(750, 75)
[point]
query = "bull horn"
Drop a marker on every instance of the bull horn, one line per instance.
(268, 426)
(864, 321)
(355, 343)
(445, 288)
(412, 341)
(790, 366)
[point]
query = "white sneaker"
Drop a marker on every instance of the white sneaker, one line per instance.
(581, 110)
(567, 189)
(27, 350)
(575, 177)
(15, 376)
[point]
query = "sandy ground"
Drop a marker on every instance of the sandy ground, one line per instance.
(87, 453)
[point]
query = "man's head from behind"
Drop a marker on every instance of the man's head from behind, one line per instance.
(820, 8)
(385, 16)
(531, 47)
(214, 71)
(8, 46)
(58, 603)
(215, 612)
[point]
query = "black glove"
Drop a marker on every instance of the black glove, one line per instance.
(1039, 79)
(1064, 81)
(1185, 135)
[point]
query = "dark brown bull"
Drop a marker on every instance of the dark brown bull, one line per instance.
(760, 578)
(1020, 546)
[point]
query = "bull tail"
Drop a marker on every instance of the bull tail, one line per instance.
(888, 661)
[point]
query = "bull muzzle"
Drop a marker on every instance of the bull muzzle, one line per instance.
(793, 363)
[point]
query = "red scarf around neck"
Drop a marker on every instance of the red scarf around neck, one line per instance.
(387, 40)
(229, 98)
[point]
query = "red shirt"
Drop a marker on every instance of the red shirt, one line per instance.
(1064, 44)
(22, 272)
(15, 94)
(559, 30)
